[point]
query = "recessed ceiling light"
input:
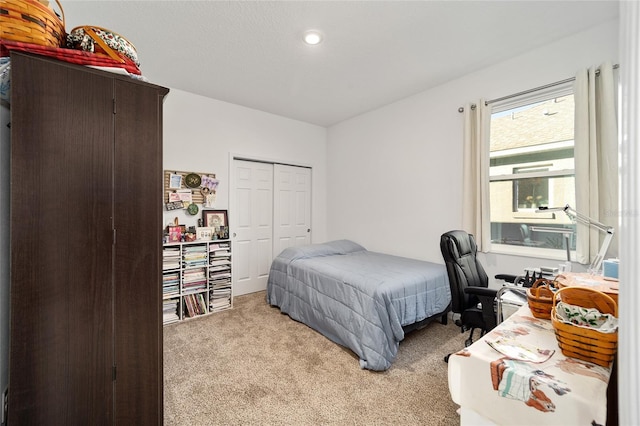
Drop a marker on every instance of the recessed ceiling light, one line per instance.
(313, 37)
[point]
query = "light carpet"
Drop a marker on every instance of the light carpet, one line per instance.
(252, 365)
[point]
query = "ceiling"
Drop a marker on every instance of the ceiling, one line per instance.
(251, 53)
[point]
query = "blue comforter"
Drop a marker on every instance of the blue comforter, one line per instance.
(357, 298)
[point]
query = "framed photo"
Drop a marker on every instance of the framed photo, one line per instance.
(204, 233)
(175, 233)
(223, 233)
(175, 181)
(214, 218)
(174, 205)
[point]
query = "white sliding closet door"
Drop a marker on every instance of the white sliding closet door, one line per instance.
(253, 212)
(271, 211)
(291, 207)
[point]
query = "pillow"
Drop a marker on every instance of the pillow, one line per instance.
(345, 246)
(331, 248)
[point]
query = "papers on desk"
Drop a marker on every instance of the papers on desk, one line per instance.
(514, 297)
(520, 351)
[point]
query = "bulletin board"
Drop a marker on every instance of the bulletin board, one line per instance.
(193, 181)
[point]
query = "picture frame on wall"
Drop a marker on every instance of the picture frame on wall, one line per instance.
(175, 181)
(215, 218)
(204, 233)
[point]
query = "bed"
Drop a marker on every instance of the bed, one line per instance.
(359, 299)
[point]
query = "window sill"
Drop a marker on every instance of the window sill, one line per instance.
(524, 251)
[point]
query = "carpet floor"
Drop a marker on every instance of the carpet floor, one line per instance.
(252, 365)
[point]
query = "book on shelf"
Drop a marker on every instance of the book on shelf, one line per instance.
(219, 306)
(219, 281)
(170, 258)
(170, 311)
(189, 305)
(202, 304)
(168, 292)
(193, 274)
(196, 304)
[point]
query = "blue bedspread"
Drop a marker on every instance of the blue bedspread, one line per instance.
(357, 298)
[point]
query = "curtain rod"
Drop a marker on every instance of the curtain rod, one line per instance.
(535, 89)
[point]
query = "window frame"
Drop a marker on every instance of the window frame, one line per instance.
(513, 103)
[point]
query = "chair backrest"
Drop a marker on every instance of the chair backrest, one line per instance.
(525, 232)
(463, 268)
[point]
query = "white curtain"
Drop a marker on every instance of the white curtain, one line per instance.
(596, 157)
(475, 174)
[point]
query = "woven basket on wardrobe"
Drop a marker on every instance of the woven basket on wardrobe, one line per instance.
(30, 21)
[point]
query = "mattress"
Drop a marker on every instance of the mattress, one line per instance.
(357, 298)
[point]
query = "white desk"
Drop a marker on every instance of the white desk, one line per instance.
(560, 390)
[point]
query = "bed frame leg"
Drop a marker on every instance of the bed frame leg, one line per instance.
(445, 318)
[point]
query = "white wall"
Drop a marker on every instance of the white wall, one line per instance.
(200, 135)
(395, 174)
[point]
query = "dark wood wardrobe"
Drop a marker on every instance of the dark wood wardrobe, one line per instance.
(86, 206)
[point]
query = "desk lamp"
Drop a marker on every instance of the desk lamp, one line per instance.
(566, 233)
(586, 220)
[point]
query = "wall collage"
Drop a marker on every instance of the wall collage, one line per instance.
(194, 193)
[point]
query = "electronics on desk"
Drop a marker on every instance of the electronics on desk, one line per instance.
(533, 274)
(546, 271)
(610, 268)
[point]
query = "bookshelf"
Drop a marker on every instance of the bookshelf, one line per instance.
(196, 279)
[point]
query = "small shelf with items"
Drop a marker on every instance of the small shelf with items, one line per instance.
(196, 279)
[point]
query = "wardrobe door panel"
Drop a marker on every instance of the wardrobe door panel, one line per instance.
(61, 353)
(138, 224)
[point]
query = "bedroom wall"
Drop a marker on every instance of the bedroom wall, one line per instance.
(201, 134)
(394, 180)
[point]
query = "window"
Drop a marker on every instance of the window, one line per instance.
(530, 193)
(532, 165)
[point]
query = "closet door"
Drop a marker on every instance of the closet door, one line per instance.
(61, 352)
(291, 207)
(138, 225)
(253, 241)
(271, 211)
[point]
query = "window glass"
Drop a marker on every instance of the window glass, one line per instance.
(532, 165)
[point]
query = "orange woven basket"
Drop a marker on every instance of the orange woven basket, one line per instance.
(585, 343)
(30, 21)
(540, 298)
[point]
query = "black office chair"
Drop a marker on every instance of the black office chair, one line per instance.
(470, 295)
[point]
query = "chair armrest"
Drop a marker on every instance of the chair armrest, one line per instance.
(507, 277)
(487, 297)
(481, 291)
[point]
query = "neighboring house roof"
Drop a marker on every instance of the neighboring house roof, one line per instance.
(523, 128)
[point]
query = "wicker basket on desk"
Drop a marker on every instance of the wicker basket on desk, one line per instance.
(540, 298)
(585, 343)
(30, 21)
